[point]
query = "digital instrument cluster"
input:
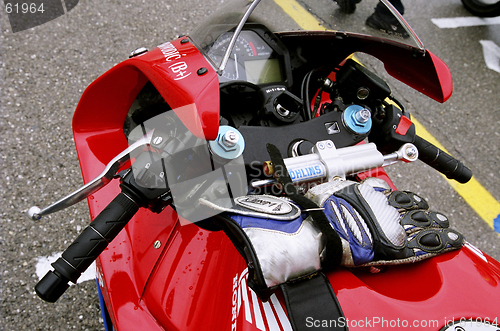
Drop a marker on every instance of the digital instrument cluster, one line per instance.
(252, 59)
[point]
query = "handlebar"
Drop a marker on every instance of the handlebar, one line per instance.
(327, 161)
(87, 247)
(441, 161)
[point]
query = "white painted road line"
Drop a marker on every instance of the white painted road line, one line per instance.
(457, 22)
(491, 53)
(491, 50)
(43, 266)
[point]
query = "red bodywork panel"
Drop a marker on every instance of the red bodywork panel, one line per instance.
(200, 280)
(419, 77)
(98, 132)
(423, 71)
(194, 279)
(199, 284)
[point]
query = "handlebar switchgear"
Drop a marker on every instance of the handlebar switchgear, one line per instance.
(97, 236)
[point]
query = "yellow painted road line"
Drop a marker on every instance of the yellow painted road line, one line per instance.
(480, 200)
(300, 15)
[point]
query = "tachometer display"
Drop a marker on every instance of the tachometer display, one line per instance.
(251, 59)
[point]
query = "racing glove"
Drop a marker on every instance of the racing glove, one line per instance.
(376, 226)
(379, 226)
(278, 240)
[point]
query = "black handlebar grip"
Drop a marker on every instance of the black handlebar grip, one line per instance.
(87, 247)
(441, 161)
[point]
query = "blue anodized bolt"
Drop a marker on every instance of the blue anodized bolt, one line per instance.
(358, 119)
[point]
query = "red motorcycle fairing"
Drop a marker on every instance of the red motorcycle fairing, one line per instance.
(99, 117)
(199, 283)
(423, 71)
(181, 75)
(159, 275)
(173, 68)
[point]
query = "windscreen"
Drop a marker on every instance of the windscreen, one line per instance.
(380, 19)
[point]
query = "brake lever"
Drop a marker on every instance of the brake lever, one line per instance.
(109, 172)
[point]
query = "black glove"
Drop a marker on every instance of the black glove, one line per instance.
(379, 226)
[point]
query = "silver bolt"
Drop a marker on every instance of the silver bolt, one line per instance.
(328, 83)
(321, 146)
(157, 140)
(230, 138)
(411, 152)
(157, 244)
(363, 115)
(138, 51)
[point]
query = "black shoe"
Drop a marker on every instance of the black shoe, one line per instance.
(377, 22)
(347, 6)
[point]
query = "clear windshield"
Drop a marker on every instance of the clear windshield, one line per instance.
(220, 34)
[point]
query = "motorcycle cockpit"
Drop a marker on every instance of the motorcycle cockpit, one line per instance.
(258, 57)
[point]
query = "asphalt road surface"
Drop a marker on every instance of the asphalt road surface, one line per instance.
(44, 71)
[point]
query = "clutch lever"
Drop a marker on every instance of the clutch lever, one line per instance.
(35, 213)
